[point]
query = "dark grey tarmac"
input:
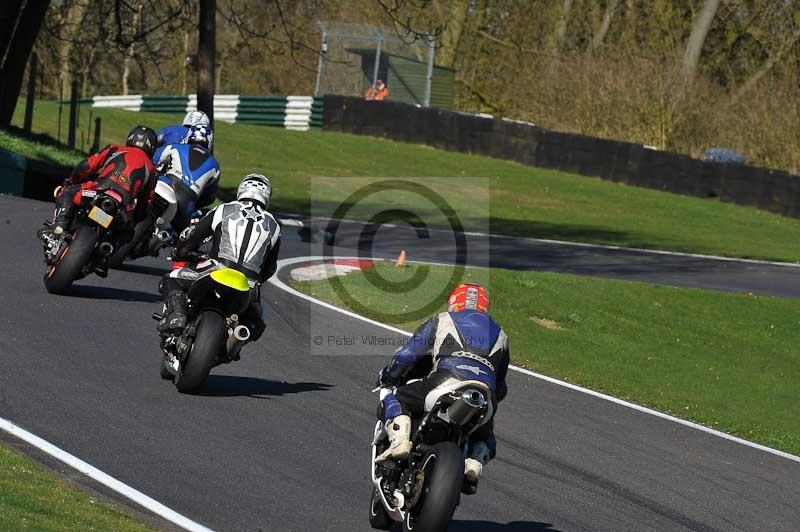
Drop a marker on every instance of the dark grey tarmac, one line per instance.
(281, 439)
(676, 269)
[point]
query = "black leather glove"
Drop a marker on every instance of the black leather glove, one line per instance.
(185, 234)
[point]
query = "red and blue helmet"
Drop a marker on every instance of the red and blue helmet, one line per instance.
(468, 296)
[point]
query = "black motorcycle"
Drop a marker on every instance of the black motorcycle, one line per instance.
(423, 491)
(212, 330)
(153, 234)
(99, 226)
(147, 241)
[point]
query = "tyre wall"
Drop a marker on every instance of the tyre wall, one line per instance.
(623, 162)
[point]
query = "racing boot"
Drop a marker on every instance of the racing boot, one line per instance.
(472, 473)
(46, 233)
(64, 211)
(175, 317)
(473, 467)
(51, 238)
(399, 432)
(50, 231)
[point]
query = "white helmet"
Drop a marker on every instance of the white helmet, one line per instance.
(196, 118)
(255, 187)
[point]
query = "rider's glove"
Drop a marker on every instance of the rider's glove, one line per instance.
(185, 234)
(384, 380)
(164, 167)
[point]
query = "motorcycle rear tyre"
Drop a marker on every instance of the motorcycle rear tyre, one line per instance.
(60, 276)
(441, 493)
(209, 341)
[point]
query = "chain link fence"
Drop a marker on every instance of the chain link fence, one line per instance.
(353, 57)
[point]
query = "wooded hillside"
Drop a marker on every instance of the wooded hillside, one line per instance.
(681, 75)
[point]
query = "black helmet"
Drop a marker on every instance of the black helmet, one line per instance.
(143, 138)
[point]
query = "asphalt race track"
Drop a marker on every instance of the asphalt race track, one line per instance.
(281, 440)
(758, 277)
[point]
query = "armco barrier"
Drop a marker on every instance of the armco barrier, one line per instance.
(623, 162)
(291, 112)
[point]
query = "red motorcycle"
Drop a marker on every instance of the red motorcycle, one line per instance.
(100, 225)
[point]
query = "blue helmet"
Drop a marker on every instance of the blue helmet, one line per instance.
(199, 134)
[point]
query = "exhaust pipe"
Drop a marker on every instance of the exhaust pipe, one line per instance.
(239, 334)
(163, 236)
(468, 405)
(106, 248)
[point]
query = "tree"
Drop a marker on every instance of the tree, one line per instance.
(72, 25)
(563, 23)
(206, 62)
(600, 36)
(700, 28)
(130, 53)
(18, 30)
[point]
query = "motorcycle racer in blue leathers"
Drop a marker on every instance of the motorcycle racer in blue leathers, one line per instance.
(464, 343)
(189, 179)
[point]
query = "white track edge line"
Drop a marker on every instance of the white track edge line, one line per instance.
(95, 474)
(585, 244)
(283, 286)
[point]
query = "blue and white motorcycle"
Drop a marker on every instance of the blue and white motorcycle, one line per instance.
(423, 491)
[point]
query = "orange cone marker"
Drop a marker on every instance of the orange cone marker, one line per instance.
(401, 260)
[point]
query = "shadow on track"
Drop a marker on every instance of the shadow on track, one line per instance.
(495, 224)
(233, 386)
(107, 292)
(489, 526)
(142, 269)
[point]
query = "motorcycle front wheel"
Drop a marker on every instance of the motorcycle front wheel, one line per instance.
(444, 475)
(209, 342)
(69, 265)
(122, 252)
(378, 518)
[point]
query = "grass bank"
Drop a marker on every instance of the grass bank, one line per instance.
(32, 499)
(41, 147)
(728, 361)
(488, 194)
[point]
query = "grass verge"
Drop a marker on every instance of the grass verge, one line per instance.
(515, 199)
(41, 147)
(32, 499)
(725, 360)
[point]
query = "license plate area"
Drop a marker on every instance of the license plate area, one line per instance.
(101, 217)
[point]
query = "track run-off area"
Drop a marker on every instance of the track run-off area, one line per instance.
(280, 441)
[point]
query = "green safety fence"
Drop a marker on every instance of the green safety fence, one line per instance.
(291, 112)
